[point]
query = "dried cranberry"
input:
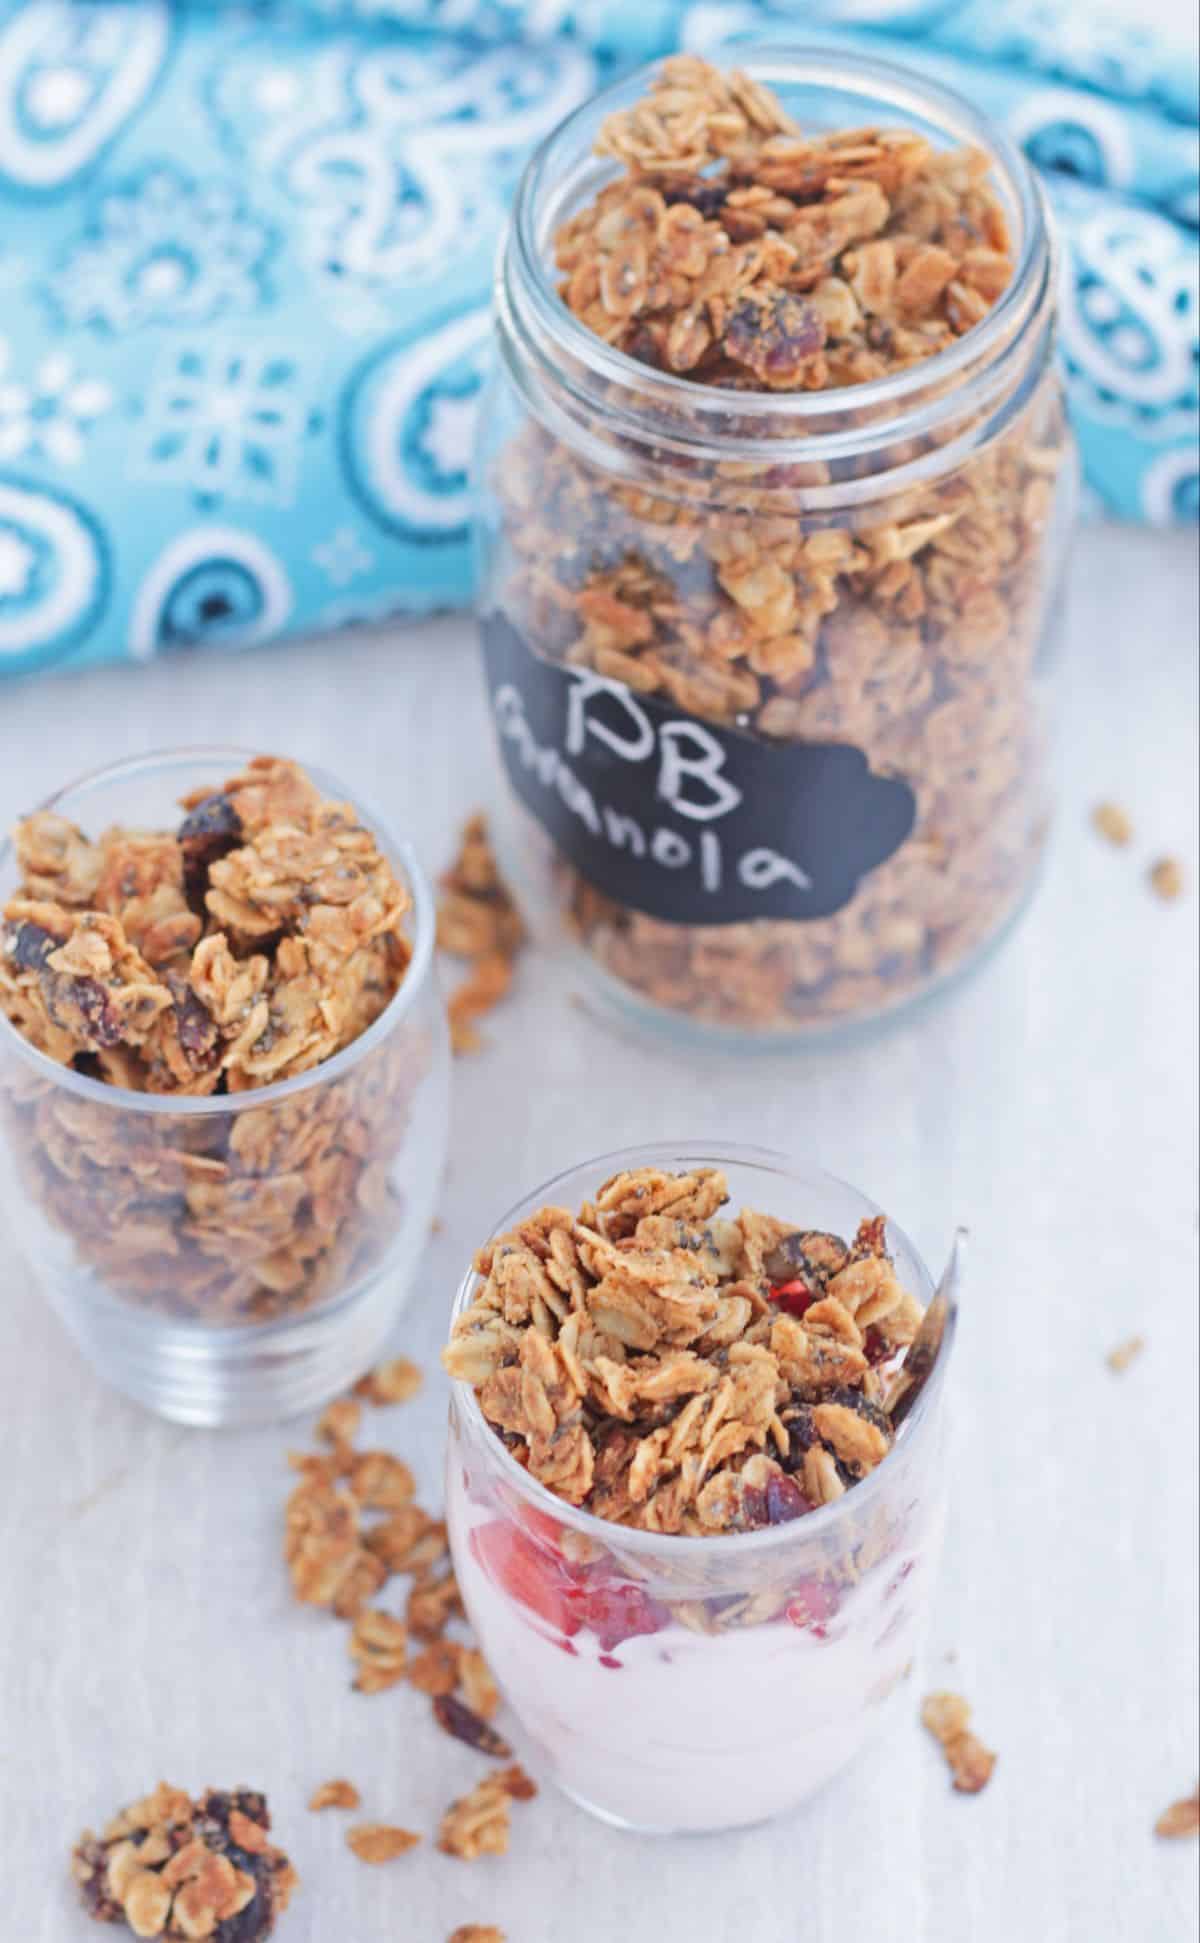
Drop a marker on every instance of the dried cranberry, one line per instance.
(775, 337)
(606, 1659)
(698, 193)
(785, 1501)
(466, 1725)
(29, 946)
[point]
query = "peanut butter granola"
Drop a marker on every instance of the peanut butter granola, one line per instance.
(251, 944)
(168, 1867)
(946, 1716)
(668, 1368)
(477, 920)
(748, 255)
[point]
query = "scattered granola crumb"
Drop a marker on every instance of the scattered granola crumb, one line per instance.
(464, 1725)
(335, 1794)
(339, 1421)
(478, 1823)
(380, 1842)
(437, 1670)
(1181, 1820)
(477, 920)
(1125, 1353)
(379, 1645)
(1166, 879)
(677, 1371)
(172, 1867)
(1112, 823)
(394, 1382)
(478, 1933)
(946, 1716)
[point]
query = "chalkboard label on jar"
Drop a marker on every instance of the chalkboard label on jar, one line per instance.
(681, 819)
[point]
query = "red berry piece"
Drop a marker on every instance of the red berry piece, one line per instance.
(606, 1659)
(529, 1573)
(620, 1612)
(813, 1602)
(794, 1296)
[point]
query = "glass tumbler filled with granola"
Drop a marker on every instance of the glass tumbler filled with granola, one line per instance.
(223, 1076)
(694, 1519)
(775, 483)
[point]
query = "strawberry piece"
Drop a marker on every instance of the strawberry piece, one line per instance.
(794, 1296)
(529, 1573)
(812, 1603)
(620, 1612)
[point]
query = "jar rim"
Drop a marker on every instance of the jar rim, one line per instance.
(906, 402)
(631, 1539)
(167, 1105)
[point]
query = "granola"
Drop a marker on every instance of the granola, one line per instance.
(1181, 1820)
(380, 1841)
(477, 920)
(352, 1524)
(946, 1716)
(665, 1367)
(168, 1866)
(750, 256)
(1167, 879)
(477, 1933)
(335, 1794)
(1113, 823)
(262, 936)
(1125, 1353)
(479, 1823)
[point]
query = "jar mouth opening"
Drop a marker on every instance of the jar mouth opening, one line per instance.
(167, 1106)
(631, 1539)
(564, 164)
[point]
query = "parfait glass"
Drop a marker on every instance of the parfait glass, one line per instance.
(673, 1684)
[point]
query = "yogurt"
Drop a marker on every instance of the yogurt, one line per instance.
(669, 1728)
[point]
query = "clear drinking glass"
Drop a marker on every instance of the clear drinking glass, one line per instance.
(675, 1684)
(772, 672)
(236, 1258)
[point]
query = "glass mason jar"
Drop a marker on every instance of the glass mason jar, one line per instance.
(239, 1257)
(673, 1684)
(769, 670)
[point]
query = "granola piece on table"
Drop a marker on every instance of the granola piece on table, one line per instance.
(171, 1867)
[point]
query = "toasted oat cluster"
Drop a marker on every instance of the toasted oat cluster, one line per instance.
(168, 1866)
(745, 254)
(249, 945)
(947, 1716)
(252, 942)
(669, 1368)
(743, 251)
(477, 920)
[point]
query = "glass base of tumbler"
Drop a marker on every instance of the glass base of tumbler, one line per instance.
(240, 1376)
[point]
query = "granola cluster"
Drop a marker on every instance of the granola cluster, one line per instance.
(477, 920)
(666, 1367)
(352, 1523)
(947, 1716)
(249, 945)
(745, 254)
(168, 1866)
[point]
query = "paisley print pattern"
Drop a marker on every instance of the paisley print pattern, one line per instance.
(245, 253)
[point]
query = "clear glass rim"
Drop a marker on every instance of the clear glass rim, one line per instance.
(793, 63)
(624, 1538)
(165, 1105)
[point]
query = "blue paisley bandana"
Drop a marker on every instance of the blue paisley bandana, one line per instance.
(245, 255)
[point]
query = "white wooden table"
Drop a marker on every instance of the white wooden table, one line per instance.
(146, 1627)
